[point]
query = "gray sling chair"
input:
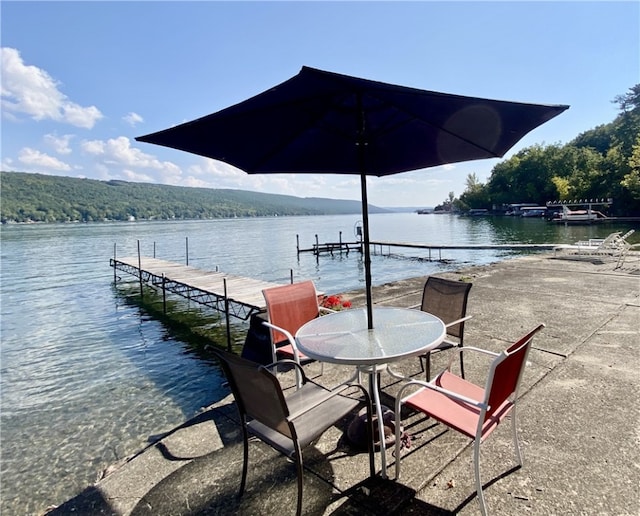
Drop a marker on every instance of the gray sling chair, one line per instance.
(447, 300)
(286, 423)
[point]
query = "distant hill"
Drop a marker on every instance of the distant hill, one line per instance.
(44, 198)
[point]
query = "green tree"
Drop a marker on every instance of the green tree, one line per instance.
(631, 180)
(475, 194)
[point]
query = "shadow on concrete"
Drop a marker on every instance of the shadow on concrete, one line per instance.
(380, 497)
(474, 495)
(209, 485)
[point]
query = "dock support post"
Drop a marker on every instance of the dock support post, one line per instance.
(140, 271)
(187, 248)
(115, 277)
(298, 244)
(291, 275)
(164, 295)
(226, 313)
(154, 248)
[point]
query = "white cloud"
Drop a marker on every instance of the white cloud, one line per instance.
(117, 159)
(7, 164)
(31, 91)
(136, 177)
(132, 119)
(35, 158)
(120, 150)
(95, 147)
(59, 143)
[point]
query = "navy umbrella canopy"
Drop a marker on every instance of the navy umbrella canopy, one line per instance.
(321, 122)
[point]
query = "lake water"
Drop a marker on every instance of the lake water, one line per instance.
(87, 378)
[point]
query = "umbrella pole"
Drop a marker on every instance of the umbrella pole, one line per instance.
(367, 254)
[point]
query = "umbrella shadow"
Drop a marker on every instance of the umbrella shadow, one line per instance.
(210, 485)
(378, 496)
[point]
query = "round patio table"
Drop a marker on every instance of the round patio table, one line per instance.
(344, 338)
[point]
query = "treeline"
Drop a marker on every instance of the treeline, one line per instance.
(44, 198)
(603, 162)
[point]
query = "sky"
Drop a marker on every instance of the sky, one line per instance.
(80, 80)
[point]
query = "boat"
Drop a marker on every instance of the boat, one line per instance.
(533, 211)
(587, 216)
(516, 209)
(477, 212)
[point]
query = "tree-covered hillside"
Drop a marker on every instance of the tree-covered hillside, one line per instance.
(43, 198)
(600, 163)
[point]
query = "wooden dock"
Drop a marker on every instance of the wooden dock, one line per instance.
(331, 248)
(232, 295)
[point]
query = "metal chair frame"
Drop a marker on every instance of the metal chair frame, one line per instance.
(468, 408)
(287, 423)
(288, 308)
(447, 300)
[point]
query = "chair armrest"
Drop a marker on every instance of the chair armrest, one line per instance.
(286, 361)
(460, 349)
(479, 350)
(327, 396)
(281, 330)
(458, 321)
(446, 392)
(456, 396)
(290, 338)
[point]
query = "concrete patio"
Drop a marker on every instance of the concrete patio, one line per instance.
(579, 418)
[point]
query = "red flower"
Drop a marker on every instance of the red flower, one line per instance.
(335, 302)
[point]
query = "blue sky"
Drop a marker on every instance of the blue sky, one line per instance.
(80, 80)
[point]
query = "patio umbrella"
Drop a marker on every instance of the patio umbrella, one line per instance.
(321, 122)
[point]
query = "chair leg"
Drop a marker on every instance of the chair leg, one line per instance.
(427, 367)
(298, 378)
(299, 472)
(370, 434)
(398, 450)
(245, 461)
(461, 363)
(476, 467)
(514, 430)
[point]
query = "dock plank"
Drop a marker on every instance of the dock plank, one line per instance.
(242, 290)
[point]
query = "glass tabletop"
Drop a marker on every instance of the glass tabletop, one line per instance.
(343, 337)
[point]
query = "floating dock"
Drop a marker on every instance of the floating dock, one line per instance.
(232, 295)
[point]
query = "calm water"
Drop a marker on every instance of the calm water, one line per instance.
(87, 378)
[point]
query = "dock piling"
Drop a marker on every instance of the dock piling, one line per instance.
(140, 269)
(226, 313)
(164, 294)
(115, 276)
